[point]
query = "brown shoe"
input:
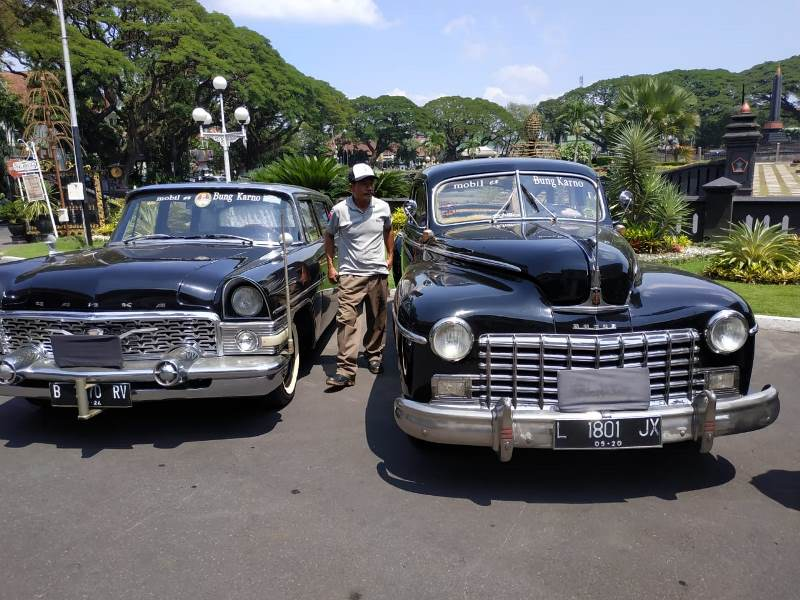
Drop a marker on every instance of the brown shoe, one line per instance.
(340, 381)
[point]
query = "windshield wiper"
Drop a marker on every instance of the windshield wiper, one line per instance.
(152, 236)
(503, 208)
(219, 236)
(536, 204)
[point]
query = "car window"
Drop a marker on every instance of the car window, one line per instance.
(479, 198)
(421, 198)
(323, 212)
(179, 218)
(476, 198)
(142, 219)
(256, 215)
(310, 225)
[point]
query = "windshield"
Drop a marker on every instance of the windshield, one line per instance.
(495, 197)
(218, 215)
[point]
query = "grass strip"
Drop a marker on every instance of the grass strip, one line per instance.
(764, 299)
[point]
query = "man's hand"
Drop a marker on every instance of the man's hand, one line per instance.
(333, 275)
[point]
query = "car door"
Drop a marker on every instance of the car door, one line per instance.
(314, 237)
(322, 207)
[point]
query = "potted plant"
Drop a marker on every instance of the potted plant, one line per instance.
(13, 211)
(37, 214)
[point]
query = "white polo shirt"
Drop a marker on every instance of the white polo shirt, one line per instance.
(359, 236)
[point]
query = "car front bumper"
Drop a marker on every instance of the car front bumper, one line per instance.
(703, 420)
(206, 377)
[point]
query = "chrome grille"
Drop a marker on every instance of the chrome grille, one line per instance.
(171, 331)
(525, 367)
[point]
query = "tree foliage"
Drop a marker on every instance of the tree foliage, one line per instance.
(718, 93)
(379, 122)
(463, 119)
(141, 66)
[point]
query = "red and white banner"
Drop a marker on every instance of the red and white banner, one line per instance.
(17, 167)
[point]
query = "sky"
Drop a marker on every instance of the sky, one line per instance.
(511, 50)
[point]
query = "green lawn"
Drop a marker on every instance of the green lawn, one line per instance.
(64, 244)
(776, 300)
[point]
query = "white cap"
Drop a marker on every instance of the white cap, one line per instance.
(360, 171)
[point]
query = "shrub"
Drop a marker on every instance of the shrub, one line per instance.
(392, 184)
(665, 206)
(115, 206)
(634, 148)
(321, 173)
(584, 152)
(757, 254)
(648, 239)
(399, 219)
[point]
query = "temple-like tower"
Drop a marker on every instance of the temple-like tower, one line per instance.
(773, 128)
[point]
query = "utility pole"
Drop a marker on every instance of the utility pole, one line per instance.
(73, 115)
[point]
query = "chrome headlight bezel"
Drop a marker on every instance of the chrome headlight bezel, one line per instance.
(722, 319)
(453, 324)
(257, 299)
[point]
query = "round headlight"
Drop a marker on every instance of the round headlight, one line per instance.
(451, 338)
(247, 301)
(246, 340)
(726, 332)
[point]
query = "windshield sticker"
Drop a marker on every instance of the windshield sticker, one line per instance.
(172, 197)
(202, 199)
(556, 181)
(475, 183)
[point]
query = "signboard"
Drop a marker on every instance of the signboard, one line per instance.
(17, 167)
(63, 215)
(75, 191)
(33, 188)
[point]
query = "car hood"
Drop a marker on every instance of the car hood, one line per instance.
(146, 277)
(555, 256)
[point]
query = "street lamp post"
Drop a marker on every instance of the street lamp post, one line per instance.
(223, 138)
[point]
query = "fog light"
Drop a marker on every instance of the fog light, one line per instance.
(451, 386)
(246, 340)
(723, 379)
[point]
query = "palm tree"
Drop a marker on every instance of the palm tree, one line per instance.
(579, 116)
(634, 147)
(658, 103)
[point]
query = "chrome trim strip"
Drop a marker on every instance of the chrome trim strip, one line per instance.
(582, 309)
(754, 329)
(407, 333)
(466, 258)
(105, 316)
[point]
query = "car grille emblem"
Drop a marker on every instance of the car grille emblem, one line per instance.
(94, 331)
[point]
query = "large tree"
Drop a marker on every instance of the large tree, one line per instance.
(141, 66)
(465, 121)
(379, 122)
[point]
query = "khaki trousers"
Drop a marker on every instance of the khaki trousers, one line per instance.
(356, 292)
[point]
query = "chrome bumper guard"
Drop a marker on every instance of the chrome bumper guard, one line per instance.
(504, 427)
(252, 375)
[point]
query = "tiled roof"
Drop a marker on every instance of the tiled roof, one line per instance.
(16, 84)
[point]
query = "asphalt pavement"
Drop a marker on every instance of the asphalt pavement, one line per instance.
(328, 499)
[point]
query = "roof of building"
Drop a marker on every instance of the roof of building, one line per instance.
(16, 84)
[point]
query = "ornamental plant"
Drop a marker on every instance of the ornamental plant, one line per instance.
(757, 254)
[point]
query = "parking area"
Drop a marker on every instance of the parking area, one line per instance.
(328, 499)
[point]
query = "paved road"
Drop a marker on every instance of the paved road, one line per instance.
(329, 500)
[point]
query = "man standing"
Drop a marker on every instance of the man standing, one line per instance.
(362, 226)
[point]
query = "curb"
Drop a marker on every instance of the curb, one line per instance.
(786, 324)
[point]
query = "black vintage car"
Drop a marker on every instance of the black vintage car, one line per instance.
(187, 300)
(523, 319)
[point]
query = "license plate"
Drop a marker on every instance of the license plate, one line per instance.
(607, 434)
(101, 395)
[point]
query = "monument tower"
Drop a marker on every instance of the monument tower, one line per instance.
(773, 128)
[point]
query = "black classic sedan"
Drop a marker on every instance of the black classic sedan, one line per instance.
(523, 319)
(188, 299)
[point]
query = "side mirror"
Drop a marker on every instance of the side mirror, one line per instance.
(625, 199)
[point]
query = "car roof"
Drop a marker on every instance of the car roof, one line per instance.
(291, 190)
(438, 173)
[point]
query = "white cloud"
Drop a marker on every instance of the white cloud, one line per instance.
(418, 99)
(523, 75)
(463, 23)
(324, 12)
(500, 96)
